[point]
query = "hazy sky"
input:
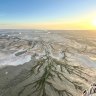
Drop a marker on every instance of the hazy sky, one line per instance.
(48, 14)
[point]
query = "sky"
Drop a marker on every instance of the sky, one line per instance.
(48, 14)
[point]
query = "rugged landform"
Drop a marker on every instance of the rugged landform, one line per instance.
(46, 63)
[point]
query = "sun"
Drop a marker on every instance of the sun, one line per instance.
(94, 22)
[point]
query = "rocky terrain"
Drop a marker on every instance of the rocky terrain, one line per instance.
(46, 63)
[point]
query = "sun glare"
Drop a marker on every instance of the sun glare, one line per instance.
(94, 22)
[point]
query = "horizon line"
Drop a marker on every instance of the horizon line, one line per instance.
(47, 29)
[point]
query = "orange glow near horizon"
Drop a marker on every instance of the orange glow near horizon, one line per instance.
(53, 26)
(81, 23)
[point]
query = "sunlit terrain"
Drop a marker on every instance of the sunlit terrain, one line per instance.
(47, 62)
